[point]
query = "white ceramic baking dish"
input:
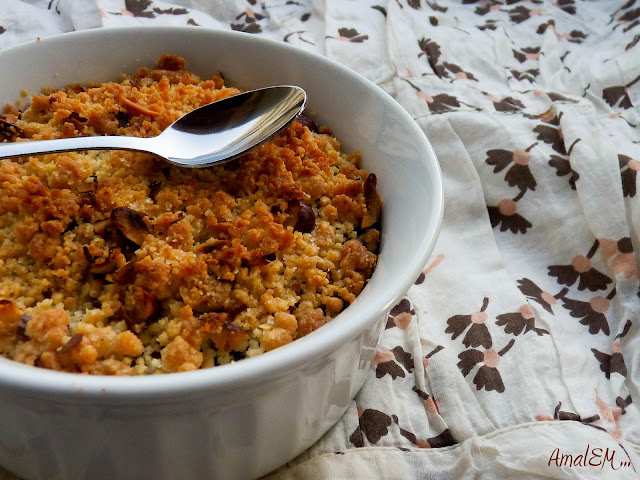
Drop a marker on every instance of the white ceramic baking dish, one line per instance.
(245, 419)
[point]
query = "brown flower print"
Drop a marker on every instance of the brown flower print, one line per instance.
(518, 175)
(435, 7)
(550, 133)
(431, 50)
(562, 164)
(535, 293)
(522, 13)
(400, 316)
(628, 47)
(138, 8)
(613, 363)
(591, 313)
(440, 103)
(581, 269)
(563, 168)
(506, 215)
(489, 25)
(171, 11)
(444, 439)
(487, 376)
(352, 35)
(574, 36)
(385, 364)
(373, 424)
(429, 268)
(623, 403)
(425, 359)
(249, 19)
(486, 8)
(380, 8)
(458, 73)
(630, 18)
(299, 34)
(390, 362)
(529, 74)
(507, 104)
(618, 96)
(521, 321)
(566, 5)
(620, 256)
(564, 416)
(526, 53)
(478, 333)
(628, 172)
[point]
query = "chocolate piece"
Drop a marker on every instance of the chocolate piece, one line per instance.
(305, 218)
(373, 202)
(73, 342)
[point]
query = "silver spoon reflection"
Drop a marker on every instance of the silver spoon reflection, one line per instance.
(213, 133)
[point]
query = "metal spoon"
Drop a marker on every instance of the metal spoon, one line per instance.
(213, 133)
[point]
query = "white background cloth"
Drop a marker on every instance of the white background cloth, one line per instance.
(521, 339)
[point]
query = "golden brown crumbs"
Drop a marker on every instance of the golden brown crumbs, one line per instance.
(116, 263)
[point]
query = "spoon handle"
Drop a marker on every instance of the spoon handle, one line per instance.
(73, 144)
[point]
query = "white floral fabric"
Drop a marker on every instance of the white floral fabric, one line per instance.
(516, 353)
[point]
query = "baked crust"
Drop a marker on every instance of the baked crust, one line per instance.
(115, 262)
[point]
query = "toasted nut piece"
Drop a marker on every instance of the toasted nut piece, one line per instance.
(211, 245)
(139, 308)
(130, 223)
(136, 108)
(125, 274)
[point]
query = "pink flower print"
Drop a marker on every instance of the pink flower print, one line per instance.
(591, 313)
(478, 333)
(621, 257)
(527, 53)
(522, 13)
(535, 293)
(517, 322)
(487, 376)
(507, 104)
(614, 362)
(429, 402)
(518, 175)
(350, 35)
(426, 271)
(400, 316)
(581, 269)
(629, 168)
(618, 95)
(505, 215)
(610, 415)
(390, 362)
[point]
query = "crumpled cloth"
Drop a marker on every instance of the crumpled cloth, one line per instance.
(516, 354)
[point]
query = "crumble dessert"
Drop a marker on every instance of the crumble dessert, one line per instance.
(117, 263)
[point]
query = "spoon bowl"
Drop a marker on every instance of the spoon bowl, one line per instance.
(212, 134)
